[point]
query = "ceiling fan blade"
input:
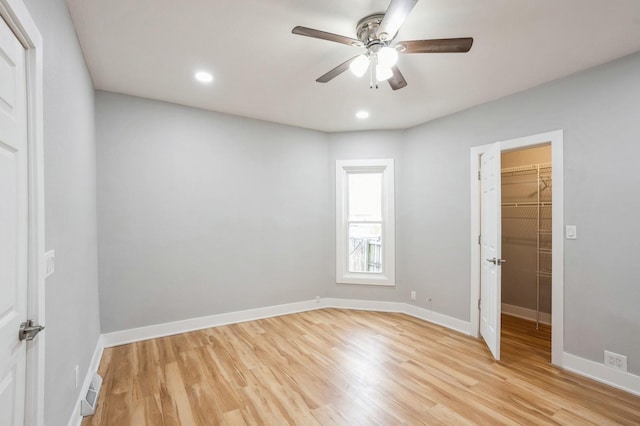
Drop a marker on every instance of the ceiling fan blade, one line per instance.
(323, 35)
(394, 17)
(444, 45)
(336, 71)
(397, 81)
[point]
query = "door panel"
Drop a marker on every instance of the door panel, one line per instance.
(490, 232)
(13, 226)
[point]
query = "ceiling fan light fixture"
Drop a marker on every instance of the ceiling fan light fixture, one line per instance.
(377, 34)
(359, 65)
(387, 56)
(383, 73)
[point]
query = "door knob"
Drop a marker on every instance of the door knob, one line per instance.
(497, 261)
(28, 330)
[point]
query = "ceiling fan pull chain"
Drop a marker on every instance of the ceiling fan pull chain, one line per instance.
(374, 77)
(371, 76)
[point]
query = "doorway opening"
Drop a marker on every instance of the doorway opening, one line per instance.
(526, 279)
(491, 268)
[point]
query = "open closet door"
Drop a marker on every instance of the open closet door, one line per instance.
(490, 235)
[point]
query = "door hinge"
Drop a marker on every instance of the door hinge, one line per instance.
(479, 239)
(479, 304)
(478, 174)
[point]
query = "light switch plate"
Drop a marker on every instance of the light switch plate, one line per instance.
(50, 262)
(571, 232)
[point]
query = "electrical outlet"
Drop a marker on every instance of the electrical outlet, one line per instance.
(317, 299)
(77, 376)
(413, 295)
(614, 360)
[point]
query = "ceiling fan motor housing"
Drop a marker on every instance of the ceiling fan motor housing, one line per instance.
(367, 31)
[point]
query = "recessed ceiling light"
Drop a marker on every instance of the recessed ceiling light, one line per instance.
(204, 77)
(362, 114)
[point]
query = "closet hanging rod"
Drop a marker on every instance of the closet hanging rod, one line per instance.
(529, 167)
(528, 204)
(530, 181)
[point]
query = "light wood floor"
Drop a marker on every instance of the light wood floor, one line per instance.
(351, 368)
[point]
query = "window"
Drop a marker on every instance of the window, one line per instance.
(365, 235)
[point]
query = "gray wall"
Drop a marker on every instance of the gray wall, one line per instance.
(203, 213)
(598, 110)
(72, 318)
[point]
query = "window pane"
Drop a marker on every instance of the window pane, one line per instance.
(365, 247)
(365, 196)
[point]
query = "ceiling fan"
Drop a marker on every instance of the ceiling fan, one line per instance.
(376, 33)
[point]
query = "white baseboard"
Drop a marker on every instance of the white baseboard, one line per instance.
(399, 307)
(76, 417)
(528, 314)
(167, 329)
(170, 328)
(361, 305)
(598, 371)
(452, 323)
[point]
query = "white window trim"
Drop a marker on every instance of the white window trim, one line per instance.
(343, 276)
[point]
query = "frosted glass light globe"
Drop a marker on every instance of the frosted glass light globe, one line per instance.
(359, 65)
(387, 57)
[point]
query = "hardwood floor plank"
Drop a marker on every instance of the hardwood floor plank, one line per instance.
(176, 388)
(342, 367)
(328, 416)
(168, 407)
(233, 418)
(201, 400)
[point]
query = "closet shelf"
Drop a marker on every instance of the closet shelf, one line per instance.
(544, 273)
(522, 180)
(528, 168)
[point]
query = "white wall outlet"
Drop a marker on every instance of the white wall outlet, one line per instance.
(614, 360)
(77, 376)
(572, 232)
(317, 299)
(50, 262)
(413, 295)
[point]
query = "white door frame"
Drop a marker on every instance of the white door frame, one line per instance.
(557, 238)
(16, 15)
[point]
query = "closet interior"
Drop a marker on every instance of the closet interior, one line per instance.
(526, 233)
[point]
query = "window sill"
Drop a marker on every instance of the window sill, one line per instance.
(366, 279)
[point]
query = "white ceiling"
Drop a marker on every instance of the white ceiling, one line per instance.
(151, 48)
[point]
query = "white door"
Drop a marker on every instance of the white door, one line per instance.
(490, 235)
(13, 226)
